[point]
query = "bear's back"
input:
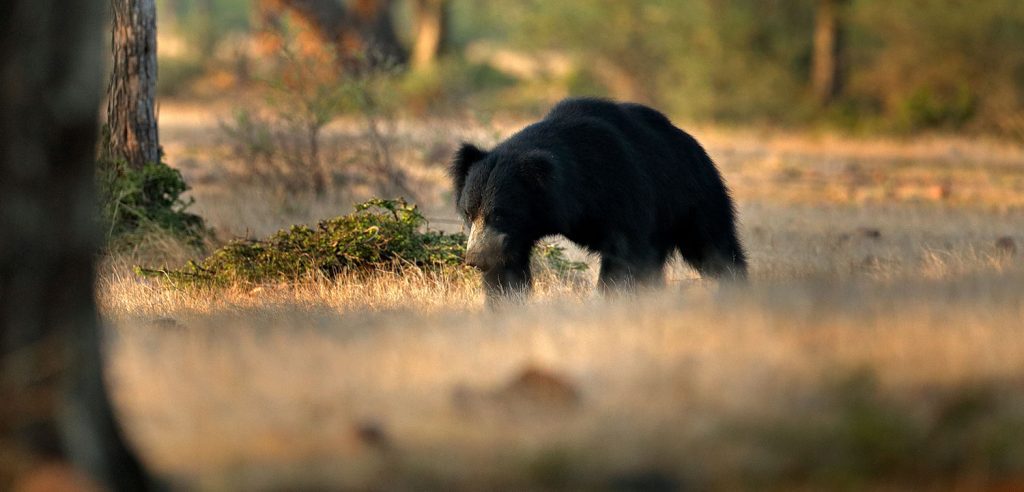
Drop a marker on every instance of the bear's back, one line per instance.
(584, 107)
(641, 125)
(637, 142)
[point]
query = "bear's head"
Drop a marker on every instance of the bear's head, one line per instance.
(502, 195)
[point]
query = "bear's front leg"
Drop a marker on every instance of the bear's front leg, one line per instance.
(506, 284)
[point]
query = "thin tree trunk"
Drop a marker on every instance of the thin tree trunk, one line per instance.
(370, 20)
(826, 72)
(54, 406)
(206, 29)
(431, 23)
(131, 101)
(362, 34)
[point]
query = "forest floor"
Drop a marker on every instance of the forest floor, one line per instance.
(879, 343)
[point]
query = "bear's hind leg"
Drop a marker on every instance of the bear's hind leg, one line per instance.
(714, 251)
(625, 269)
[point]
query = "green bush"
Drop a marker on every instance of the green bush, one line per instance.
(138, 202)
(552, 256)
(925, 108)
(380, 235)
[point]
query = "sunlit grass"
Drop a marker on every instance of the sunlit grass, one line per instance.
(878, 344)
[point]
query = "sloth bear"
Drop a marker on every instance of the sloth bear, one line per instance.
(618, 179)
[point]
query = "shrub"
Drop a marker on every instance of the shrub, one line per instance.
(925, 108)
(380, 234)
(135, 203)
(282, 143)
(552, 257)
(388, 235)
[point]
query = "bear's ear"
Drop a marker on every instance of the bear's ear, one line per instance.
(467, 155)
(537, 166)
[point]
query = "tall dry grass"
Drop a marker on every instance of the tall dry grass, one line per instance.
(685, 385)
(878, 345)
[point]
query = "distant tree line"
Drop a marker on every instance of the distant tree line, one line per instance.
(863, 64)
(902, 64)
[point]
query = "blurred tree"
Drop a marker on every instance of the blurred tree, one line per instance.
(735, 60)
(171, 11)
(361, 31)
(54, 407)
(430, 20)
(206, 28)
(940, 64)
(131, 96)
(826, 71)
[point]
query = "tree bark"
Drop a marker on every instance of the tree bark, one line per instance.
(54, 407)
(131, 102)
(826, 71)
(431, 23)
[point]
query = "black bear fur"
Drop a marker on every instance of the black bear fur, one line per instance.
(618, 179)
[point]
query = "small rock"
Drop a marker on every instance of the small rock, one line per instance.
(1006, 245)
(533, 391)
(372, 434)
(943, 191)
(869, 232)
(167, 324)
(540, 386)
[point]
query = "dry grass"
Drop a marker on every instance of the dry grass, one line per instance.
(879, 344)
(279, 396)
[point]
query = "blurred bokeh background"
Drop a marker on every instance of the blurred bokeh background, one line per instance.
(864, 66)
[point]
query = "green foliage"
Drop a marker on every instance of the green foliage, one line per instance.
(863, 434)
(450, 85)
(552, 256)
(738, 61)
(137, 202)
(926, 108)
(938, 64)
(379, 235)
(907, 65)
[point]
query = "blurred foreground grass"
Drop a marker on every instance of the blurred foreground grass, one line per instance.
(815, 382)
(878, 345)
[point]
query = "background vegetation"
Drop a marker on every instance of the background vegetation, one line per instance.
(906, 65)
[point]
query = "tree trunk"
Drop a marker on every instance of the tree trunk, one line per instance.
(370, 34)
(431, 23)
(207, 28)
(826, 72)
(132, 92)
(53, 402)
(362, 33)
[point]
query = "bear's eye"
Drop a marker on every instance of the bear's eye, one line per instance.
(497, 217)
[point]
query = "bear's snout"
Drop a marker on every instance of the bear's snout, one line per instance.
(485, 247)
